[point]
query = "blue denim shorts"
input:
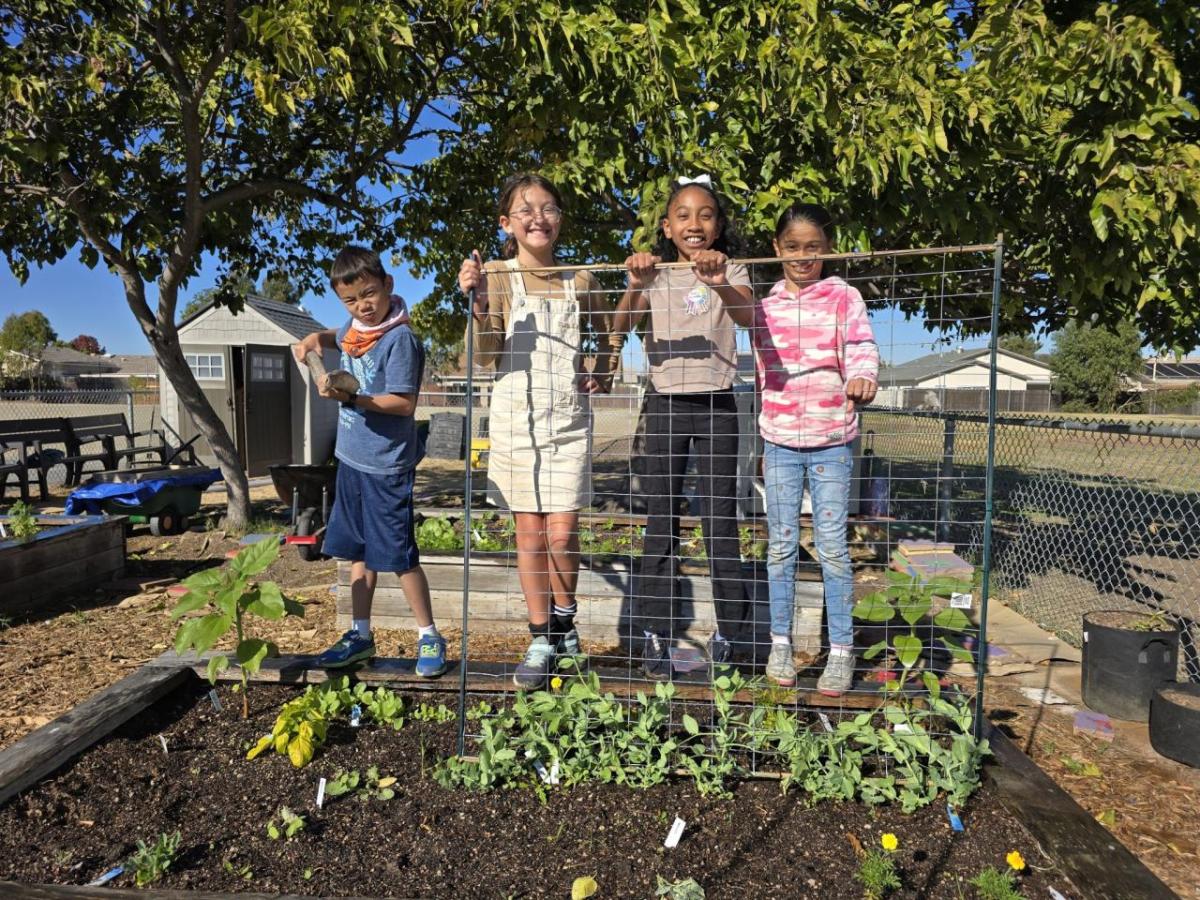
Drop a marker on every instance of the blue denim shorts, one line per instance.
(372, 520)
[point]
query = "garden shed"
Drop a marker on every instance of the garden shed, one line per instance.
(244, 365)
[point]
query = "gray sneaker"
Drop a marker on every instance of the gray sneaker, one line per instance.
(535, 667)
(569, 655)
(838, 675)
(780, 667)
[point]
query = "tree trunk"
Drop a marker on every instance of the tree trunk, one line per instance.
(209, 424)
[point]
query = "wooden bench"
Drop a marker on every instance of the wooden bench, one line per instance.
(104, 430)
(30, 440)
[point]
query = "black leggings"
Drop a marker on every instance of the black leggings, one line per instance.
(707, 424)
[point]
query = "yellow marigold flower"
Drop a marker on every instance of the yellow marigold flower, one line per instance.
(555, 683)
(1016, 861)
(889, 842)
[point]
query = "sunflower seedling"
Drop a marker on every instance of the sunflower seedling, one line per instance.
(230, 594)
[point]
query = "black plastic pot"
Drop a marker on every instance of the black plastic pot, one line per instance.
(1175, 723)
(1123, 667)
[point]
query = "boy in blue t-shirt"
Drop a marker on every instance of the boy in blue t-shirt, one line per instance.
(378, 450)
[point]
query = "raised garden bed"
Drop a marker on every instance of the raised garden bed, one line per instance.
(68, 553)
(65, 822)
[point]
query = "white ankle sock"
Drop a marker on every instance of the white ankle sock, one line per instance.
(426, 630)
(362, 626)
(780, 639)
(841, 649)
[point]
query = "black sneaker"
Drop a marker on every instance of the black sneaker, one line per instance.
(720, 656)
(656, 658)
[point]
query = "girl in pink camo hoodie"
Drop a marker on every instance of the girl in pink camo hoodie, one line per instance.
(816, 360)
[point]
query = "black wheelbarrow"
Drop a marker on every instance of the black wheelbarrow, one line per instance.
(309, 492)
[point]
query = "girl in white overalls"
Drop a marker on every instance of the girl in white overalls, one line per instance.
(528, 325)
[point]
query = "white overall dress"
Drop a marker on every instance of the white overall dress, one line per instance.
(539, 459)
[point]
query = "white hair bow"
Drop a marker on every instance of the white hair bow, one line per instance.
(705, 180)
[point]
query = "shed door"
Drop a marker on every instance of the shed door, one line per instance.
(268, 408)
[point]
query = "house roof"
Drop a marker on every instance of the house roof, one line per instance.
(934, 364)
(143, 365)
(70, 358)
(1188, 369)
(295, 320)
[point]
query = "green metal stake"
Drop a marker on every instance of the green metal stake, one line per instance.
(462, 656)
(981, 648)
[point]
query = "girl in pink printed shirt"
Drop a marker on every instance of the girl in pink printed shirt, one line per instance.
(816, 360)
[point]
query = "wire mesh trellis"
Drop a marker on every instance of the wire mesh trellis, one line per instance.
(915, 631)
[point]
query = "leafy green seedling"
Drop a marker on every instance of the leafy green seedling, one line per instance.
(688, 889)
(230, 594)
(21, 522)
(290, 824)
(151, 862)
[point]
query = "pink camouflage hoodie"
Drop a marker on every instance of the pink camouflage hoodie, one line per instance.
(807, 347)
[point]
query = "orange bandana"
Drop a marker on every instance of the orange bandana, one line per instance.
(359, 339)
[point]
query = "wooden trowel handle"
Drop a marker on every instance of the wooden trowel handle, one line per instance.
(315, 365)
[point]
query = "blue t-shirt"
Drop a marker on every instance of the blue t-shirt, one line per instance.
(373, 442)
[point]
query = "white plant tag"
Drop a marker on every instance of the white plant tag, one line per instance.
(214, 699)
(675, 833)
(321, 794)
(962, 601)
(902, 728)
(825, 721)
(162, 740)
(1055, 895)
(355, 716)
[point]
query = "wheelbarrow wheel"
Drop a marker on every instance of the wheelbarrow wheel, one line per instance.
(165, 523)
(309, 522)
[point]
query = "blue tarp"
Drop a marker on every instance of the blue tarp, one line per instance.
(90, 497)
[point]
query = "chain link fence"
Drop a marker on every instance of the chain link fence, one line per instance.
(1089, 514)
(140, 409)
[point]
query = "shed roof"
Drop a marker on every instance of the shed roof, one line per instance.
(295, 320)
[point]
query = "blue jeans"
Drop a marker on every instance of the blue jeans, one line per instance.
(828, 471)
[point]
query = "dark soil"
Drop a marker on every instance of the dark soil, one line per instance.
(432, 842)
(1130, 619)
(1185, 695)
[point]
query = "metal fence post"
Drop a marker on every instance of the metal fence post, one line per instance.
(946, 479)
(129, 410)
(981, 647)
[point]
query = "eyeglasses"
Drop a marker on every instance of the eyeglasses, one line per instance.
(528, 214)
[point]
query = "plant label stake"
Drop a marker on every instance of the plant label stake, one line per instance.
(825, 721)
(355, 716)
(961, 601)
(321, 794)
(107, 877)
(162, 740)
(214, 699)
(955, 821)
(675, 833)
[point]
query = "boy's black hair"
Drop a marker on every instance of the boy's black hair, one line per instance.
(510, 190)
(812, 213)
(352, 263)
(728, 240)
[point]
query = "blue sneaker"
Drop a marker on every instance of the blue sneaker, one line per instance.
(431, 656)
(534, 669)
(352, 647)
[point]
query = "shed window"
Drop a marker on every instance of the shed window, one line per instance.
(206, 366)
(266, 368)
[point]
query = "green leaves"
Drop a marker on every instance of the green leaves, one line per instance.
(874, 608)
(231, 596)
(256, 557)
